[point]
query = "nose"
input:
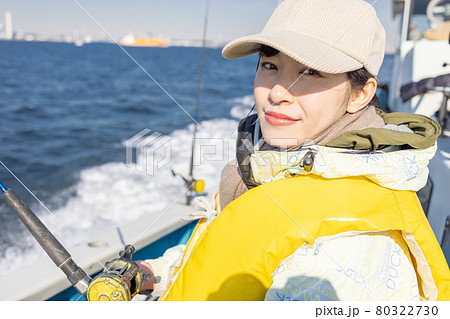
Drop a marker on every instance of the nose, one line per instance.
(280, 94)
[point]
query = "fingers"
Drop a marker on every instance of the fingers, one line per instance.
(149, 280)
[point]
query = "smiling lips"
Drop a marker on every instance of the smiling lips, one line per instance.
(279, 119)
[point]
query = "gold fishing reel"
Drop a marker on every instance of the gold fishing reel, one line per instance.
(121, 279)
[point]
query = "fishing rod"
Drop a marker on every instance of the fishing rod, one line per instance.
(197, 108)
(57, 253)
(191, 180)
(196, 185)
(120, 280)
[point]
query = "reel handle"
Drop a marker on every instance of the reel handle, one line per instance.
(128, 252)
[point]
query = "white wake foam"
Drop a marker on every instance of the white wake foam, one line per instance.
(115, 193)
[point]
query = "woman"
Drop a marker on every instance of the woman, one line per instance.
(320, 203)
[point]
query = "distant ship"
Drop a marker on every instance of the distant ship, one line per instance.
(131, 41)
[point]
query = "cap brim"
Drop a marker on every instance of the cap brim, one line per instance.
(308, 51)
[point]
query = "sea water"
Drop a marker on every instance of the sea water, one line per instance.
(66, 114)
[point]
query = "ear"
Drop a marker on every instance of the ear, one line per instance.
(361, 98)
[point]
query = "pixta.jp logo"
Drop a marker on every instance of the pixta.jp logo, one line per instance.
(152, 151)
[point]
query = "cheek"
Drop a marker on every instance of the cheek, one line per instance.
(260, 94)
(325, 104)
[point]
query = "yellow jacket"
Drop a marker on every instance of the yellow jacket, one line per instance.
(233, 257)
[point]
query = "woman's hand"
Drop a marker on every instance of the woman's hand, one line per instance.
(146, 268)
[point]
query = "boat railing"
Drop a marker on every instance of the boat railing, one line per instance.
(440, 84)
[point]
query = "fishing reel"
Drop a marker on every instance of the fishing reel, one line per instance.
(195, 186)
(121, 279)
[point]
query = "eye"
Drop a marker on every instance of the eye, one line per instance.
(268, 66)
(310, 71)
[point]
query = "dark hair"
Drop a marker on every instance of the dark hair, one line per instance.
(267, 50)
(357, 78)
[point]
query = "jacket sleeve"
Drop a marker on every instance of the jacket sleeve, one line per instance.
(369, 266)
(163, 266)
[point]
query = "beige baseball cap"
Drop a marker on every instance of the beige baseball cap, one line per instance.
(333, 36)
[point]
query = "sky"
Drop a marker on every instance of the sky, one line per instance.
(168, 19)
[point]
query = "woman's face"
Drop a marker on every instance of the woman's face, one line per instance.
(295, 103)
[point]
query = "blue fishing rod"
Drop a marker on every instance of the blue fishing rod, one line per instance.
(120, 280)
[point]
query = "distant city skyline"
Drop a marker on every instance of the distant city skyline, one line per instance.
(165, 19)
